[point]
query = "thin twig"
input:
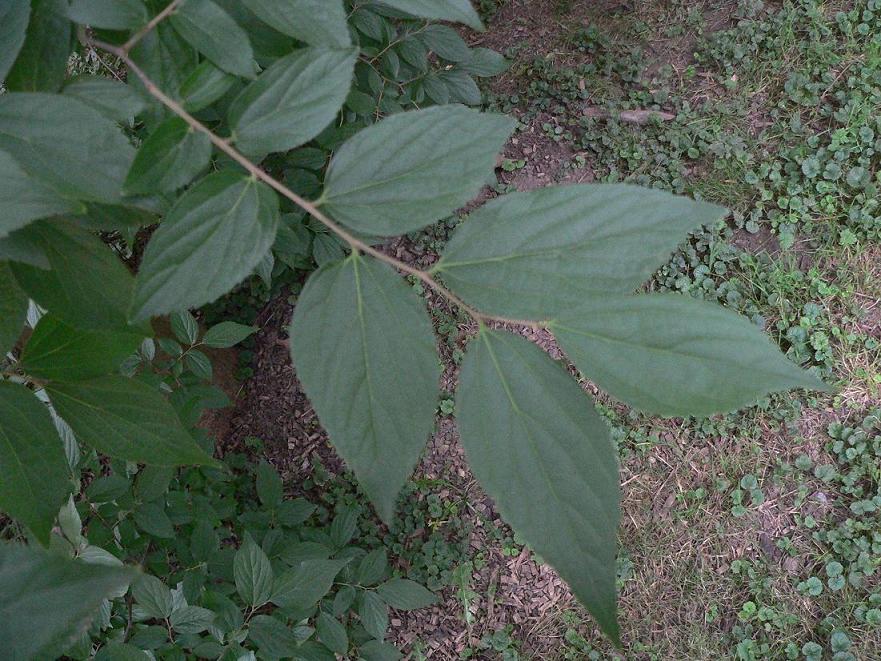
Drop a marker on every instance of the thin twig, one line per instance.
(147, 29)
(310, 207)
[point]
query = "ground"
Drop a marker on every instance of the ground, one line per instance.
(752, 535)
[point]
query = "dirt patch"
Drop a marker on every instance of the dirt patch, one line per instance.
(545, 161)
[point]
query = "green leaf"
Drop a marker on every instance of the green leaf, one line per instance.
(372, 568)
(294, 512)
(210, 241)
(436, 89)
(170, 158)
(109, 14)
(153, 597)
(24, 198)
(676, 356)
(167, 60)
(113, 99)
(212, 32)
(47, 602)
(446, 43)
(405, 595)
(88, 286)
(13, 309)
(205, 85)
(268, 43)
(373, 612)
(365, 352)
(59, 352)
(41, 65)
(153, 481)
(70, 522)
(534, 255)
(272, 637)
(227, 334)
(34, 477)
(293, 100)
(297, 552)
(461, 87)
(269, 487)
(184, 326)
(315, 22)
(486, 63)
(153, 520)
(108, 217)
(253, 574)
(332, 633)
(191, 619)
(24, 246)
(344, 526)
(199, 364)
(545, 456)
(304, 585)
(312, 651)
(121, 652)
(459, 11)
(126, 419)
(376, 650)
(69, 146)
(413, 168)
(13, 28)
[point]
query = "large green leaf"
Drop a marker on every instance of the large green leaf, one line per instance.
(60, 352)
(126, 419)
(167, 60)
(459, 11)
(543, 453)
(316, 22)
(47, 602)
(445, 42)
(676, 356)
(69, 146)
(41, 65)
(413, 168)
(153, 597)
(24, 198)
(34, 477)
(113, 99)
(13, 308)
(292, 101)
(331, 633)
(227, 334)
(373, 613)
(88, 286)
(268, 43)
(14, 17)
(405, 595)
(539, 253)
(273, 638)
(365, 352)
(205, 85)
(24, 246)
(253, 574)
(213, 32)
(109, 14)
(211, 240)
(170, 158)
(307, 583)
(486, 63)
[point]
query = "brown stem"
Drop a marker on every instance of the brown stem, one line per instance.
(310, 207)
